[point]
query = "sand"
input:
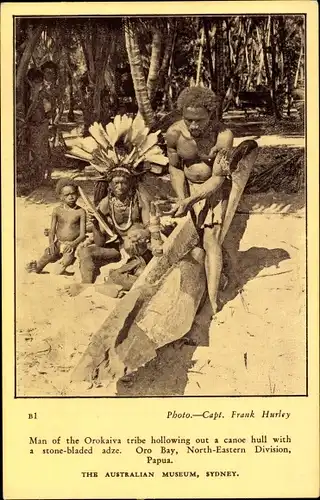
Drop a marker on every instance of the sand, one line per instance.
(255, 346)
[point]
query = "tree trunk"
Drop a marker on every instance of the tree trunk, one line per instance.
(25, 58)
(276, 110)
(167, 54)
(199, 62)
(299, 62)
(71, 90)
(270, 75)
(219, 67)
(250, 69)
(208, 46)
(154, 67)
(261, 57)
(137, 74)
(167, 86)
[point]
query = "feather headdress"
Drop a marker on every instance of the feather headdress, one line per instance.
(125, 143)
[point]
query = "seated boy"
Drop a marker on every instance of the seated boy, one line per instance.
(68, 229)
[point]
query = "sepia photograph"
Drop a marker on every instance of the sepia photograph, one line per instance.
(160, 206)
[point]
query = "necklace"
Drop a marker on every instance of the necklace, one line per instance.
(122, 207)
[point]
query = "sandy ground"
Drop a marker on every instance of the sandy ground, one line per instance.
(256, 345)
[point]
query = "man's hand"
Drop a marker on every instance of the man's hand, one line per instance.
(181, 208)
(210, 157)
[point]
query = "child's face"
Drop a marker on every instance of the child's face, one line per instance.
(69, 195)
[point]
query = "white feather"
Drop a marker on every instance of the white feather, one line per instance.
(101, 139)
(89, 144)
(80, 153)
(112, 133)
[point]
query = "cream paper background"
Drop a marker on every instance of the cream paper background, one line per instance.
(29, 476)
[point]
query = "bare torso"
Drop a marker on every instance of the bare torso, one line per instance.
(120, 216)
(68, 222)
(190, 150)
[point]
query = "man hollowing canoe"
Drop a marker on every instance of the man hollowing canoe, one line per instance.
(202, 182)
(161, 306)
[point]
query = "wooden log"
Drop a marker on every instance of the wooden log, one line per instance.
(121, 333)
(162, 304)
(168, 315)
(239, 180)
(103, 340)
(183, 238)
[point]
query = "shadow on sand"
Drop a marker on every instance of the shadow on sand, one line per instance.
(167, 374)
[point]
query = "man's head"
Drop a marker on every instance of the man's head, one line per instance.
(120, 182)
(68, 192)
(35, 77)
(136, 241)
(50, 71)
(198, 104)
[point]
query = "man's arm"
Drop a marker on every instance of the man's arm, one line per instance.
(206, 190)
(99, 234)
(177, 176)
(224, 141)
(144, 202)
(178, 181)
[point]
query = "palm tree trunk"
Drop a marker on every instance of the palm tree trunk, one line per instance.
(260, 56)
(273, 68)
(208, 46)
(168, 93)
(137, 74)
(167, 52)
(296, 79)
(26, 56)
(154, 67)
(199, 62)
(219, 67)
